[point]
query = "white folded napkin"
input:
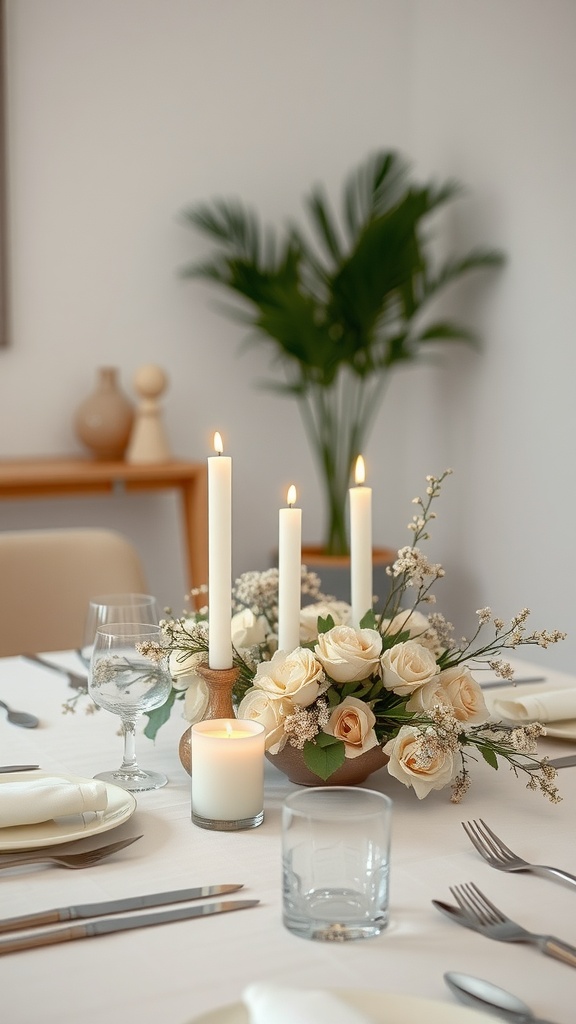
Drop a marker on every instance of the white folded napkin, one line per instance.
(551, 706)
(33, 800)
(275, 1004)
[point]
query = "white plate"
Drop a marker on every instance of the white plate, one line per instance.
(121, 806)
(382, 1008)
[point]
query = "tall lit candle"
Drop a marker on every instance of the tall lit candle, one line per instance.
(360, 545)
(289, 573)
(228, 774)
(219, 558)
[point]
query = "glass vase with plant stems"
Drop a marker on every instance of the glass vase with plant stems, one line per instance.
(342, 309)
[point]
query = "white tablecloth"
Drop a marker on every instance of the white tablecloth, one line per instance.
(174, 972)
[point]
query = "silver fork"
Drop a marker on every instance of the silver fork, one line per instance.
(86, 859)
(488, 920)
(500, 856)
(75, 679)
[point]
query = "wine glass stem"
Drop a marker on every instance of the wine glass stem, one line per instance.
(129, 763)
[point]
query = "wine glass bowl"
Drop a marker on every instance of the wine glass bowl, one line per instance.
(108, 608)
(128, 676)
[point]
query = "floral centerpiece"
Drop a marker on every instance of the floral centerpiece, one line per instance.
(400, 682)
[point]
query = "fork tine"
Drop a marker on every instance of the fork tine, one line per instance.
(500, 846)
(121, 844)
(485, 902)
(464, 902)
(469, 828)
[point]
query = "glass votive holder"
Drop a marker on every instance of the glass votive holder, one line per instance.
(335, 862)
(227, 774)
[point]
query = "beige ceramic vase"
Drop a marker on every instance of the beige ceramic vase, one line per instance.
(103, 421)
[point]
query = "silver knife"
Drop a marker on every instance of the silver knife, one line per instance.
(512, 682)
(155, 899)
(118, 924)
(75, 680)
(18, 767)
(563, 762)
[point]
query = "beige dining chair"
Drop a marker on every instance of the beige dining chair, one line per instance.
(47, 578)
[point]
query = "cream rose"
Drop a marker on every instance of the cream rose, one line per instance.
(417, 626)
(258, 706)
(248, 630)
(296, 675)
(464, 695)
(407, 666)
(348, 654)
(353, 722)
(420, 761)
(340, 611)
(428, 696)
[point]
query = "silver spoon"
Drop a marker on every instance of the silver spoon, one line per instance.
(483, 995)
(20, 717)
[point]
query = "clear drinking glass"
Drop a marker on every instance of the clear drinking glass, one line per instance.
(335, 862)
(109, 608)
(127, 681)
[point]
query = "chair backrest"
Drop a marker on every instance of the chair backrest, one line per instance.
(47, 578)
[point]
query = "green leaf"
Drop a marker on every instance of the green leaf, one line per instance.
(324, 756)
(325, 624)
(489, 756)
(369, 621)
(159, 716)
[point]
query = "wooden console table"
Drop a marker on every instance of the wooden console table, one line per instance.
(53, 478)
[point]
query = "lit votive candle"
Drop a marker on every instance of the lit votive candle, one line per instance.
(227, 774)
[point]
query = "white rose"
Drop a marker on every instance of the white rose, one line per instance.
(340, 611)
(464, 695)
(417, 626)
(182, 666)
(248, 630)
(258, 706)
(353, 722)
(348, 654)
(296, 675)
(196, 699)
(407, 666)
(417, 761)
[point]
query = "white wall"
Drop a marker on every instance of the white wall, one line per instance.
(124, 112)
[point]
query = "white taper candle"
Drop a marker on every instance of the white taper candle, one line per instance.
(289, 574)
(219, 558)
(360, 545)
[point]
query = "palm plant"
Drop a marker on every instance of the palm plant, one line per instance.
(342, 308)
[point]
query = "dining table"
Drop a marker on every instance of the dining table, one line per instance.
(177, 972)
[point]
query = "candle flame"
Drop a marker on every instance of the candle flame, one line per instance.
(360, 472)
(291, 496)
(228, 730)
(218, 446)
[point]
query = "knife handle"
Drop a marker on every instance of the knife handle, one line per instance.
(12, 924)
(560, 950)
(43, 939)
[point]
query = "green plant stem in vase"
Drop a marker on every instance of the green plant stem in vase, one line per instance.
(341, 308)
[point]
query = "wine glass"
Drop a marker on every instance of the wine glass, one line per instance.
(129, 675)
(110, 608)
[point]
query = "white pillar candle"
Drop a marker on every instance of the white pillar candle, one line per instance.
(289, 574)
(227, 769)
(219, 558)
(360, 545)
